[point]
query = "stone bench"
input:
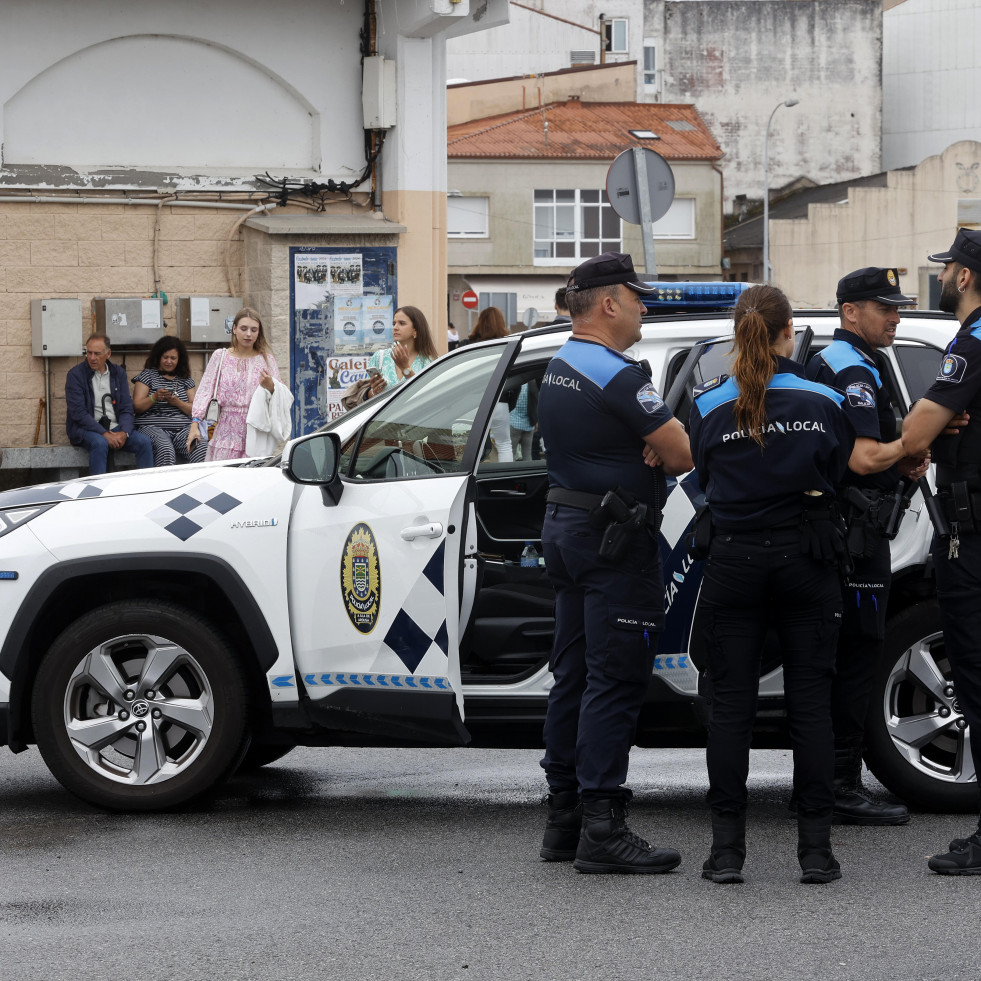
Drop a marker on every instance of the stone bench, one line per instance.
(40, 464)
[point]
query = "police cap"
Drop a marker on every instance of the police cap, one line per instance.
(872, 283)
(966, 250)
(607, 270)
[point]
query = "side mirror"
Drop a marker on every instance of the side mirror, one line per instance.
(313, 460)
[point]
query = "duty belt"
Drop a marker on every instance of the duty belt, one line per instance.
(584, 501)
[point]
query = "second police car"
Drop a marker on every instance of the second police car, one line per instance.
(160, 629)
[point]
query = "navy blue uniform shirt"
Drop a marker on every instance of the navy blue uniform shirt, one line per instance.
(595, 407)
(808, 442)
(848, 364)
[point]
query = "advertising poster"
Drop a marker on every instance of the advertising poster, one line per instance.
(346, 275)
(311, 278)
(376, 321)
(340, 373)
(348, 326)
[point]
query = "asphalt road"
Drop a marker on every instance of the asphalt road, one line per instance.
(422, 864)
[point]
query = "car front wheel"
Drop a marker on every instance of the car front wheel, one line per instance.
(918, 741)
(141, 706)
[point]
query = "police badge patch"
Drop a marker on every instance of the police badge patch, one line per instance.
(649, 399)
(952, 368)
(860, 395)
(361, 578)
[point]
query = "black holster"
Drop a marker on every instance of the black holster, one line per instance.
(700, 534)
(622, 519)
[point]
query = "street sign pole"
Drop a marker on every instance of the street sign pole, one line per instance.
(644, 204)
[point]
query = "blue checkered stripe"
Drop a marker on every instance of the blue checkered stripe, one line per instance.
(191, 511)
(77, 490)
(348, 679)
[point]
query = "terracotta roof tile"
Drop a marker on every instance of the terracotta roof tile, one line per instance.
(584, 130)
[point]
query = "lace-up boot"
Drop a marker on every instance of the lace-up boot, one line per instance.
(964, 857)
(853, 803)
(562, 827)
(725, 863)
(608, 845)
(817, 862)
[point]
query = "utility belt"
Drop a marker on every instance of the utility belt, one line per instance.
(871, 515)
(960, 504)
(617, 513)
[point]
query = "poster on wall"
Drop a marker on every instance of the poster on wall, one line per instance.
(311, 277)
(376, 322)
(340, 373)
(348, 328)
(346, 275)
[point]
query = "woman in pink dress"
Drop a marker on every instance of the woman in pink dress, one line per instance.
(244, 365)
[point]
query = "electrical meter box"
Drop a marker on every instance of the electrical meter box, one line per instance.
(202, 319)
(56, 328)
(128, 320)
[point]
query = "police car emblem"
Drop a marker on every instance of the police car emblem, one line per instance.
(649, 399)
(860, 395)
(952, 368)
(361, 578)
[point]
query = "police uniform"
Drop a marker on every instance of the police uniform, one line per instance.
(848, 364)
(757, 577)
(595, 407)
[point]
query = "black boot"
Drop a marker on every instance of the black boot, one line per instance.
(562, 827)
(817, 861)
(608, 845)
(962, 858)
(853, 803)
(725, 863)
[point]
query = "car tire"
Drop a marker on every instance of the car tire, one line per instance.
(141, 706)
(910, 702)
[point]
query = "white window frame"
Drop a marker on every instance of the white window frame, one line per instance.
(678, 222)
(614, 22)
(602, 243)
(458, 205)
(650, 75)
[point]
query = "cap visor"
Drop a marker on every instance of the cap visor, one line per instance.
(943, 257)
(641, 287)
(895, 300)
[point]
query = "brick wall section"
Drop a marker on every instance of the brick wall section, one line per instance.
(92, 250)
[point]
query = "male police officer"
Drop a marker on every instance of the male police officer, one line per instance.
(868, 307)
(957, 559)
(597, 412)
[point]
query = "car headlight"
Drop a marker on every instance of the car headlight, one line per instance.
(11, 518)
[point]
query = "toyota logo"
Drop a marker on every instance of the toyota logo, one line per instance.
(140, 709)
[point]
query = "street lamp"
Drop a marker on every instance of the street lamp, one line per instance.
(767, 271)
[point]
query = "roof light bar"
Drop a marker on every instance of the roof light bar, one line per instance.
(693, 296)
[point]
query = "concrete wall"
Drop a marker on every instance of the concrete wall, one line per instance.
(917, 213)
(930, 78)
(737, 59)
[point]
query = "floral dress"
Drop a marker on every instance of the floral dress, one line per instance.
(385, 363)
(239, 380)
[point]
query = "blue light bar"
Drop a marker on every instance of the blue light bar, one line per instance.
(7, 574)
(680, 297)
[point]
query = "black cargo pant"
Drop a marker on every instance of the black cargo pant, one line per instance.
(959, 593)
(865, 596)
(754, 581)
(607, 619)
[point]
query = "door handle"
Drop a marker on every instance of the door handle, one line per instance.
(433, 530)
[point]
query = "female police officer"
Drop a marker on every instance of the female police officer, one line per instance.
(769, 448)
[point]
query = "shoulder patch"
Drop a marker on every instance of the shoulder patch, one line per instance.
(952, 368)
(649, 399)
(707, 386)
(860, 395)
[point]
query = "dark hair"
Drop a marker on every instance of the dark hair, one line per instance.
(165, 344)
(560, 300)
(260, 346)
(490, 324)
(424, 337)
(761, 313)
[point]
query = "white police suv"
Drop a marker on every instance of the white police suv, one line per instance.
(378, 586)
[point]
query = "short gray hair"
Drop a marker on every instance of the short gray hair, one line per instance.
(580, 302)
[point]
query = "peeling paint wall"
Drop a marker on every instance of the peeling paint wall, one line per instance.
(738, 59)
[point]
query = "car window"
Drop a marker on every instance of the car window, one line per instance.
(520, 395)
(423, 429)
(919, 364)
(714, 359)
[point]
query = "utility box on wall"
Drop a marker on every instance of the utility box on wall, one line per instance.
(201, 319)
(128, 320)
(56, 328)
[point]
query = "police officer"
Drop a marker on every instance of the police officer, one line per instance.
(868, 307)
(769, 449)
(957, 558)
(597, 411)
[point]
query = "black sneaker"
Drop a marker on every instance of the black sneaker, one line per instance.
(964, 857)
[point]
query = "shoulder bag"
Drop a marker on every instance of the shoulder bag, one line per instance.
(213, 414)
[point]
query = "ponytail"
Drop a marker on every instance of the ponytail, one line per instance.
(760, 315)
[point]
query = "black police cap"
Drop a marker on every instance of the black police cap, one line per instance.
(606, 270)
(872, 283)
(966, 250)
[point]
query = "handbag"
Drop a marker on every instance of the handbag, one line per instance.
(213, 414)
(356, 393)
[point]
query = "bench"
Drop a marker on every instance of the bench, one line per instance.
(41, 464)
